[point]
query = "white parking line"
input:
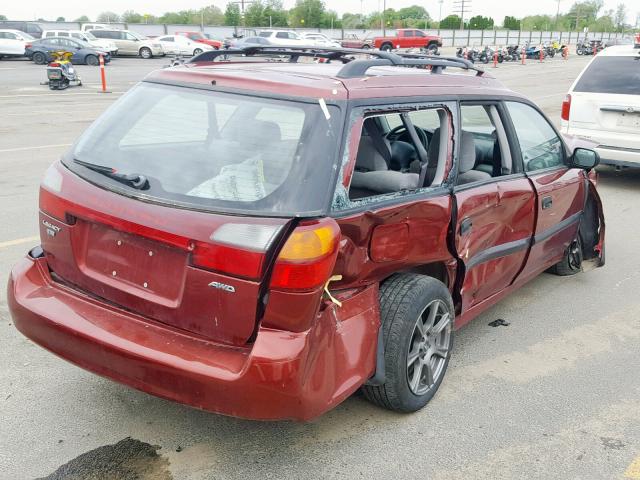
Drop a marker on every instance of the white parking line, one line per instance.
(18, 241)
(20, 149)
(57, 94)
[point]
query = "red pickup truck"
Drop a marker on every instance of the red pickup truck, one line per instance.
(408, 38)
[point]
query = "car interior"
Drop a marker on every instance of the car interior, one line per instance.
(405, 151)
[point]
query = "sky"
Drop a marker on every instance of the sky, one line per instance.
(71, 9)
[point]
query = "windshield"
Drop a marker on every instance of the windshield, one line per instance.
(89, 35)
(611, 75)
(217, 151)
(26, 37)
(195, 36)
(138, 36)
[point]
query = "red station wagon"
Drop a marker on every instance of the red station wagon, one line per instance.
(261, 239)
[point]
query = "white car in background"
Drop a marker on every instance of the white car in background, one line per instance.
(283, 37)
(181, 45)
(603, 105)
(12, 43)
(97, 43)
(320, 40)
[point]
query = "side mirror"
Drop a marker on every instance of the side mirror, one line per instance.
(584, 158)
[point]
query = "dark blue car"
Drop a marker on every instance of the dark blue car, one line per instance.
(40, 51)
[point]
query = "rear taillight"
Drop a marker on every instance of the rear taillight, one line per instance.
(27, 45)
(238, 249)
(566, 107)
(54, 64)
(308, 256)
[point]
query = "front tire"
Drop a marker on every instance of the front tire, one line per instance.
(146, 53)
(571, 263)
(197, 51)
(417, 317)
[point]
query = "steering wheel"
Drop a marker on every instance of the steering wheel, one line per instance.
(400, 131)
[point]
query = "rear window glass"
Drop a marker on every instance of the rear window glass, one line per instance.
(611, 75)
(218, 151)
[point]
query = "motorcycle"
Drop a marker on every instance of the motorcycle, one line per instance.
(587, 48)
(514, 52)
(60, 71)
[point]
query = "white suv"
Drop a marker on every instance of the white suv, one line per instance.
(320, 40)
(603, 105)
(13, 42)
(283, 37)
(99, 43)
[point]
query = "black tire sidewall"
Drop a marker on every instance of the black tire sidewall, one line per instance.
(88, 58)
(149, 54)
(197, 51)
(397, 337)
(39, 55)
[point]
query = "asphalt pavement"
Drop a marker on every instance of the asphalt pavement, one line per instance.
(555, 394)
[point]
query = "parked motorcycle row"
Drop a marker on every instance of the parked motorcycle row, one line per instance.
(511, 53)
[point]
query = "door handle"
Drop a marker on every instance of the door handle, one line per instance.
(547, 202)
(465, 225)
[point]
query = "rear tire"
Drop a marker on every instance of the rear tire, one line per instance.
(417, 317)
(39, 58)
(197, 51)
(571, 263)
(91, 60)
(579, 51)
(386, 47)
(146, 53)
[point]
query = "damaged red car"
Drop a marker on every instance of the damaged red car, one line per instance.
(262, 239)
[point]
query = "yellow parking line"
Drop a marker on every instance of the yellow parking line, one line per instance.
(19, 241)
(633, 471)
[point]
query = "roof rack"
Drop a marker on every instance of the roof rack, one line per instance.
(353, 67)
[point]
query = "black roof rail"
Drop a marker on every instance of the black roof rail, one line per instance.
(353, 67)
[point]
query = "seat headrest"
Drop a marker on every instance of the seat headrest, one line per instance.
(467, 152)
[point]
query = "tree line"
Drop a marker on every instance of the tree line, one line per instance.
(314, 14)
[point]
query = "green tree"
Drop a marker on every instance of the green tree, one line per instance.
(82, 19)
(130, 16)
(108, 17)
(480, 23)
(3, 17)
(254, 15)
(537, 22)
(307, 13)
(275, 12)
(353, 20)
(620, 16)
(450, 22)
(581, 14)
(511, 23)
(60, 19)
(232, 15)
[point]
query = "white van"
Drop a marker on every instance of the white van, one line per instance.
(603, 105)
(94, 26)
(98, 43)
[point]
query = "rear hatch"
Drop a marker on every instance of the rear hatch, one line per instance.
(605, 101)
(193, 244)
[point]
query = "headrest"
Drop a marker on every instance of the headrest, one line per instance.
(467, 152)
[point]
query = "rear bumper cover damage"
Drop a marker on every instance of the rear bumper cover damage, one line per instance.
(283, 375)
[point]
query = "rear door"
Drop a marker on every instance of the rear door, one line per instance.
(560, 191)
(605, 100)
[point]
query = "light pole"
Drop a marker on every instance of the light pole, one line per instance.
(382, 23)
(440, 14)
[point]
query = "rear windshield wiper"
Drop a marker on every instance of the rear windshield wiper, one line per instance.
(134, 180)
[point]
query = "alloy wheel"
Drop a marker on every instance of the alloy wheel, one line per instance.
(429, 347)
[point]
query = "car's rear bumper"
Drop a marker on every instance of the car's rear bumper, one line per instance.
(607, 144)
(283, 375)
(618, 156)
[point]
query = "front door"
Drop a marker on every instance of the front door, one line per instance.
(495, 206)
(561, 191)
